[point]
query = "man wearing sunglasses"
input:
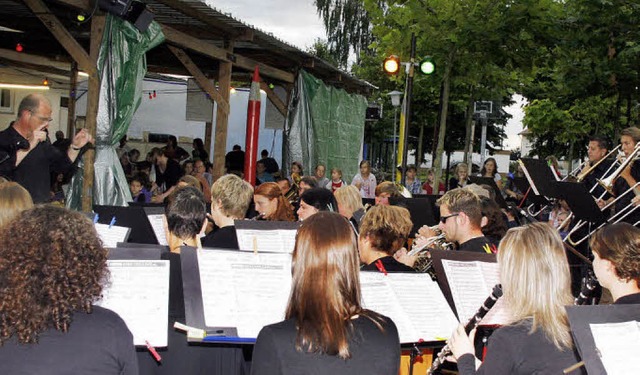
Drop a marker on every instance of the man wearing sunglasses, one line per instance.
(460, 218)
(30, 157)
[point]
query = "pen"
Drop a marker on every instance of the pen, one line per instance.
(113, 221)
(228, 339)
(153, 351)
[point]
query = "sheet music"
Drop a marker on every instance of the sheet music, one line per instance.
(112, 234)
(413, 301)
(471, 283)
(617, 344)
(244, 290)
(139, 293)
(273, 241)
(157, 224)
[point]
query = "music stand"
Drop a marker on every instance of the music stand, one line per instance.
(133, 217)
(579, 319)
(540, 177)
(420, 211)
(490, 182)
(580, 202)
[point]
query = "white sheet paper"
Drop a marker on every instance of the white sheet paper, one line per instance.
(111, 235)
(471, 283)
(244, 290)
(272, 241)
(413, 301)
(619, 346)
(139, 293)
(157, 224)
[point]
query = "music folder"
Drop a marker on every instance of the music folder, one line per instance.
(607, 337)
(266, 236)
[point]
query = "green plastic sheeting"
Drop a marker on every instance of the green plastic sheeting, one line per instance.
(121, 67)
(326, 125)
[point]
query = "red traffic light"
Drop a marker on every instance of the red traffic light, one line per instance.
(391, 65)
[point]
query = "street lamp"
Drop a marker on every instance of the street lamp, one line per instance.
(395, 102)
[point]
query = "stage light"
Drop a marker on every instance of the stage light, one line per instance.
(391, 65)
(45, 81)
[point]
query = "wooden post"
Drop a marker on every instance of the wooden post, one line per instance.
(274, 99)
(93, 96)
(208, 131)
(71, 109)
(222, 120)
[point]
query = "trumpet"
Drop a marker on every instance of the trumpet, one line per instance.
(423, 261)
(292, 194)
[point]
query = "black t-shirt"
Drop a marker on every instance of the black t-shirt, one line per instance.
(631, 299)
(513, 350)
(620, 186)
(34, 172)
(372, 351)
(171, 175)
(271, 165)
(390, 264)
(234, 160)
(476, 245)
(222, 238)
(96, 343)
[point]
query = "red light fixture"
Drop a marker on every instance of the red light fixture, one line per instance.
(19, 47)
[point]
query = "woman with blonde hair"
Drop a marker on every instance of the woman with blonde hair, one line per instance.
(327, 331)
(350, 204)
(460, 177)
(13, 200)
(536, 288)
(271, 203)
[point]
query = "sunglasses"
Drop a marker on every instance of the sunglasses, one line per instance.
(443, 219)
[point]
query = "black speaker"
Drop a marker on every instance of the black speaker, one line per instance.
(116, 7)
(374, 112)
(139, 16)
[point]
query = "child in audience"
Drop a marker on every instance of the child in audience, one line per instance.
(336, 180)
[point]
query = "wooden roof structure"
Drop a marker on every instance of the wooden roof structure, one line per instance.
(200, 41)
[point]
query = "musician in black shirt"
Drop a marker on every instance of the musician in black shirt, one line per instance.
(616, 261)
(384, 231)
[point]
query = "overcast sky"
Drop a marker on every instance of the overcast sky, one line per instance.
(297, 22)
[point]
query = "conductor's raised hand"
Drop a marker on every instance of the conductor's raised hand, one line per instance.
(81, 139)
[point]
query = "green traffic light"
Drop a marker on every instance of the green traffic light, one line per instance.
(427, 66)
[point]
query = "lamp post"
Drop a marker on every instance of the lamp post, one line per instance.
(395, 102)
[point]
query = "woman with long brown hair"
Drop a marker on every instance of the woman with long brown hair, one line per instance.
(53, 268)
(271, 203)
(326, 329)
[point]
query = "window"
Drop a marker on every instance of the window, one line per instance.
(6, 101)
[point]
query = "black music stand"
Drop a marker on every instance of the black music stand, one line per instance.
(420, 210)
(490, 182)
(541, 178)
(579, 319)
(580, 202)
(133, 217)
(437, 256)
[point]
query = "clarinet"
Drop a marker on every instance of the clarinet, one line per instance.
(471, 324)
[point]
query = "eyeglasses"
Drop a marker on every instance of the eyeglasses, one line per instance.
(443, 219)
(43, 119)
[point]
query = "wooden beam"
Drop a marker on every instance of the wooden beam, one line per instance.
(63, 36)
(222, 120)
(93, 97)
(183, 40)
(201, 79)
(26, 58)
(274, 99)
(186, 9)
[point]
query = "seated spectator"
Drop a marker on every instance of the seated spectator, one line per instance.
(412, 182)
(139, 189)
(173, 151)
(53, 268)
(230, 200)
(315, 200)
(336, 180)
(384, 231)
(270, 163)
(320, 172)
(326, 330)
(199, 152)
(271, 203)
(13, 200)
(261, 173)
(428, 184)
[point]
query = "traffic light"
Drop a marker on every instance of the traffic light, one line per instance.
(391, 65)
(427, 66)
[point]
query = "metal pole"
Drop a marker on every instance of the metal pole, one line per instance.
(395, 140)
(407, 115)
(483, 137)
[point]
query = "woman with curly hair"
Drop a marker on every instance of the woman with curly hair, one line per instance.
(271, 203)
(616, 261)
(53, 268)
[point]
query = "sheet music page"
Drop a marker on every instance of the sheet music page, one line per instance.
(424, 304)
(471, 283)
(272, 241)
(498, 315)
(139, 293)
(157, 224)
(617, 344)
(244, 290)
(111, 235)
(377, 295)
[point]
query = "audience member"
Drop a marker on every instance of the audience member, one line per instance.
(365, 181)
(168, 171)
(139, 191)
(199, 152)
(326, 329)
(336, 180)
(270, 163)
(53, 268)
(173, 151)
(412, 182)
(490, 169)
(460, 177)
(261, 173)
(429, 184)
(320, 172)
(61, 143)
(234, 161)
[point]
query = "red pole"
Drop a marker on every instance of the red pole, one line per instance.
(253, 128)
